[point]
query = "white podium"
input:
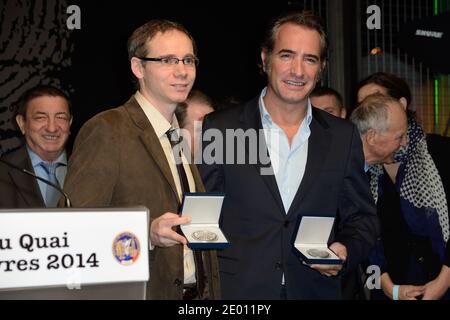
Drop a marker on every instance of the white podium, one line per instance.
(74, 253)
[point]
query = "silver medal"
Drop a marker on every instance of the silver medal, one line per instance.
(204, 235)
(316, 253)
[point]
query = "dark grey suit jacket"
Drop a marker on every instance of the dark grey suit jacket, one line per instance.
(17, 189)
(262, 233)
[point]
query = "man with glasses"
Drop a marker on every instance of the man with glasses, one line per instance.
(124, 157)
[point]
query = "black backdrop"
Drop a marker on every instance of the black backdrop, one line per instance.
(228, 36)
(91, 63)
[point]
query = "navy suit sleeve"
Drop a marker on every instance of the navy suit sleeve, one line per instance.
(211, 172)
(358, 227)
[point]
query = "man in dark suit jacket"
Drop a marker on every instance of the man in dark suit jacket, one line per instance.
(19, 190)
(44, 118)
(318, 169)
(123, 157)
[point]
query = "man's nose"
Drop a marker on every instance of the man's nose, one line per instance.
(51, 125)
(181, 69)
(297, 67)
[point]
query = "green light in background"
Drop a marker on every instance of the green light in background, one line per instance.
(436, 105)
(436, 83)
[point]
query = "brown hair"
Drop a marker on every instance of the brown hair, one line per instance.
(194, 95)
(304, 19)
(326, 91)
(395, 87)
(137, 43)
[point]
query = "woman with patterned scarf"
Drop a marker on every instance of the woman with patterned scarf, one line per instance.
(412, 196)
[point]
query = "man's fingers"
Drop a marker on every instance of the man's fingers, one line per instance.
(167, 237)
(325, 267)
(414, 293)
(175, 221)
(329, 274)
(327, 270)
(174, 238)
(162, 233)
(340, 250)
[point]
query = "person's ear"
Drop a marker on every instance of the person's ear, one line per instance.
(21, 123)
(137, 68)
(404, 103)
(371, 137)
(263, 59)
(323, 65)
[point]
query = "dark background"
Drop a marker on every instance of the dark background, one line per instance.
(91, 64)
(228, 36)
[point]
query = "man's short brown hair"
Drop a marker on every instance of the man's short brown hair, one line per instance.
(304, 19)
(137, 43)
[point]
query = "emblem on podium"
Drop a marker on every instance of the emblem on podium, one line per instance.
(126, 248)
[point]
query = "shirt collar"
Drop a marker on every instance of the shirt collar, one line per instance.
(157, 120)
(265, 116)
(267, 119)
(36, 160)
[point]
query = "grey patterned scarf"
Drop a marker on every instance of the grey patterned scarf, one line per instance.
(421, 185)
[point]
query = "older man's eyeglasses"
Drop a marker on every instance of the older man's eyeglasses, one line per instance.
(171, 61)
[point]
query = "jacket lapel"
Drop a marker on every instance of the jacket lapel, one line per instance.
(26, 185)
(318, 148)
(150, 141)
(251, 119)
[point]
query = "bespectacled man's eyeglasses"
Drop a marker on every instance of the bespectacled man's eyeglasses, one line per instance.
(170, 60)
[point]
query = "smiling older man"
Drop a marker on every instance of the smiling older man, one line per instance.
(44, 118)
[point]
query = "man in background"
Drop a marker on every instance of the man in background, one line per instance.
(329, 100)
(190, 116)
(382, 123)
(44, 117)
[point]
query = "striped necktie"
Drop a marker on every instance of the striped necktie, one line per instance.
(52, 195)
(174, 140)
